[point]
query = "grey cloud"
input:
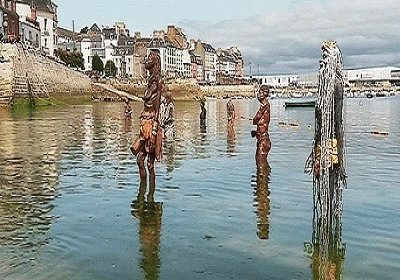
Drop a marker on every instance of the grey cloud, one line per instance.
(289, 41)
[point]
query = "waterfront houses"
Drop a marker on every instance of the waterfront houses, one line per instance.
(32, 22)
(30, 33)
(180, 58)
(67, 40)
(122, 56)
(9, 29)
(92, 44)
(46, 15)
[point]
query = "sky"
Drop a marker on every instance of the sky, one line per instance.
(274, 36)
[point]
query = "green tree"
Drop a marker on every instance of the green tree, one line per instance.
(110, 69)
(71, 59)
(84, 30)
(97, 64)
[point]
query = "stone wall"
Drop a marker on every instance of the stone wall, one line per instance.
(7, 54)
(226, 91)
(27, 74)
(50, 78)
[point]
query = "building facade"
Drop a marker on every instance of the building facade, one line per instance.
(46, 12)
(373, 75)
(9, 29)
(30, 34)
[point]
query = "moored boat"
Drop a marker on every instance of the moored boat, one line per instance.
(309, 102)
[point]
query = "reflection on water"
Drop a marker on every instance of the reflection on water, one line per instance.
(67, 181)
(149, 216)
(261, 199)
(230, 139)
(327, 251)
(28, 182)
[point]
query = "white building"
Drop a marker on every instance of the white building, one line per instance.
(91, 46)
(210, 64)
(186, 61)
(122, 56)
(46, 12)
(373, 75)
(277, 80)
(29, 26)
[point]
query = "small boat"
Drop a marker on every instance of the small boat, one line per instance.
(300, 103)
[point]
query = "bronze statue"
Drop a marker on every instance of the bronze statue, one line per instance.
(203, 113)
(167, 116)
(230, 110)
(149, 142)
(128, 108)
(327, 164)
(261, 119)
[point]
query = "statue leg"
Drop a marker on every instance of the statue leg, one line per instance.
(141, 156)
(152, 177)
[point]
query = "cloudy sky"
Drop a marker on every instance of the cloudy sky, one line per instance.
(276, 36)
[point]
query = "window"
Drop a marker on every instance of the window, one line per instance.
(45, 24)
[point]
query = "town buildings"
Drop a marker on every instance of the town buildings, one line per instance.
(35, 24)
(180, 58)
(32, 22)
(352, 77)
(9, 29)
(30, 33)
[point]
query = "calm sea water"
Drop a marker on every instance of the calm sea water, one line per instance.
(68, 189)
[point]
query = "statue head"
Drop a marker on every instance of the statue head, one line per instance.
(263, 93)
(331, 59)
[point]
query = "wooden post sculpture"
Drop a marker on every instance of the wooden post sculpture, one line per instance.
(327, 164)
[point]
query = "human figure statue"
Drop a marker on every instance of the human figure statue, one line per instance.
(262, 200)
(203, 113)
(230, 110)
(261, 119)
(149, 215)
(167, 116)
(327, 164)
(149, 142)
(128, 108)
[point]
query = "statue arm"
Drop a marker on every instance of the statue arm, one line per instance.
(263, 109)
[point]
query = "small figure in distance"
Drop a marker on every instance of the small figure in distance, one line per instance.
(128, 108)
(203, 113)
(230, 110)
(167, 115)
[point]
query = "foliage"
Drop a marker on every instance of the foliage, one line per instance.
(72, 59)
(84, 30)
(110, 69)
(97, 64)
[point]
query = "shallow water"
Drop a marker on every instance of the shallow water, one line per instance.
(68, 196)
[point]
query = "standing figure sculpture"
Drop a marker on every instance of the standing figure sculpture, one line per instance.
(230, 110)
(128, 108)
(203, 113)
(167, 116)
(149, 142)
(327, 161)
(261, 119)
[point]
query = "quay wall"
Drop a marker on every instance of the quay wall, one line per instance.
(6, 73)
(28, 74)
(188, 90)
